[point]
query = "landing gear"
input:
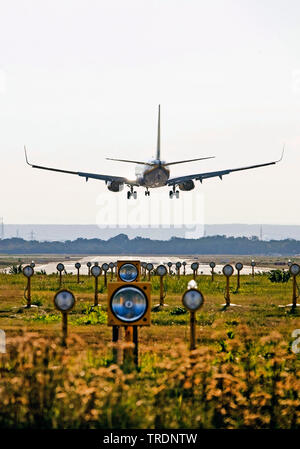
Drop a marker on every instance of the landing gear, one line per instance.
(173, 193)
(147, 192)
(132, 193)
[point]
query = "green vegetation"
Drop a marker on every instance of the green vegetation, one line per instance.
(242, 375)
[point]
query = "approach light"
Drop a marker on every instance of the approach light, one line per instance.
(212, 265)
(60, 267)
(169, 264)
(129, 304)
(64, 301)
(28, 271)
(105, 266)
(161, 270)
(195, 266)
(111, 265)
(178, 265)
(128, 272)
(192, 299)
(77, 265)
(89, 264)
(239, 266)
(96, 271)
(295, 269)
(253, 263)
(227, 270)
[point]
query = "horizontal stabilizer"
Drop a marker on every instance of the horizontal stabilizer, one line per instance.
(188, 160)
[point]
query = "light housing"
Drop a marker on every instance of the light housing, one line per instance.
(192, 299)
(105, 266)
(89, 264)
(64, 301)
(161, 270)
(169, 264)
(212, 264)
(239, 266)
(129, 304)
(77, 265)
(149, 266)
(253, 263)
(128, 272)
(96, 271)
(28, 271)
(227, 270)
(294, 269)
(60, 267)
(195, 266)
(111, 265)
(178, 264)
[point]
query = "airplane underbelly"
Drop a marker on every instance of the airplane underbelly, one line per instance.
(156, 177)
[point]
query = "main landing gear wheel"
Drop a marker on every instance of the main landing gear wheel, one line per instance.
(132, 194)
(173, 193)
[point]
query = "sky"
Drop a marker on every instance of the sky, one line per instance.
(81, 80)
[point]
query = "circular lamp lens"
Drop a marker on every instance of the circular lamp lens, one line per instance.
(184, 264)
(294, 269)
(144, 264)
(60, 267)
(212, 264)
(253, 263)
(192, 299)
(128, 272)
(111, 265)
(178, 264)
(77, 265)
(129, 304)
(169, 264)
(105, 267)
(28, 271)
(64, 300)
(149, 266)
(32, 264)
(96, 271)
(89, 264)
(195, 266)
(161, 270)
(239, 266)
(227, 270)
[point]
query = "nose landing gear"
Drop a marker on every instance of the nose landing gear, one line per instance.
(147, 192)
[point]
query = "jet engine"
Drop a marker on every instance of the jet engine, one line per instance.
(115, 186)
(187, 185)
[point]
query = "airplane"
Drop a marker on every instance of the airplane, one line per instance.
(154, 173)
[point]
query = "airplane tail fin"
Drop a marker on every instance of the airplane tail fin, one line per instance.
(158, 136)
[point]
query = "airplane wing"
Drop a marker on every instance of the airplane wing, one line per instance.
(220, 173)
(85, 175)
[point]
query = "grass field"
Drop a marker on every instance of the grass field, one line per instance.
(243, 373)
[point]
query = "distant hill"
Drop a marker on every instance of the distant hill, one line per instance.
(121, 244)
(58, 232)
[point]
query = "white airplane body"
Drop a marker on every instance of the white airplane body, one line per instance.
(154, 173)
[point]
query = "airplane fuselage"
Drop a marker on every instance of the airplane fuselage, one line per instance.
(152, 176)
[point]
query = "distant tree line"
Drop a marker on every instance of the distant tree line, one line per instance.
(121, 244)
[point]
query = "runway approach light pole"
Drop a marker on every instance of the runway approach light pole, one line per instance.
(169, 267)
(28, 272)
(184, 265)
(178, 266)
(193, 300)
(212, 266)
(161, 271)
(60, 268)
(89, 264)
(129, 305)
(149, 268)
(294, 270)
(96, 272)
(105, 268)
(228, 272)
(253, 263)
(64, 301)
(77, 266)
(111, 266)
(238, 266)
(194, 267)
